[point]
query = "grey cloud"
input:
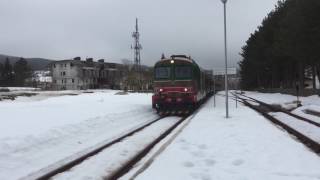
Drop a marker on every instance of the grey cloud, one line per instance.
(62, 29)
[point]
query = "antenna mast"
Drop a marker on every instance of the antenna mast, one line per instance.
(136, 46)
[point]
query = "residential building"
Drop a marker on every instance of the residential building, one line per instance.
(77, 74)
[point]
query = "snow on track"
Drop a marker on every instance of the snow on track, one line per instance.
(307, 129)
(301, 112)
(110, 159)
(288, 102)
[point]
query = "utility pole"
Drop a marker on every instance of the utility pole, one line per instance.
(214, 89)
(137, 48)
(225, 56)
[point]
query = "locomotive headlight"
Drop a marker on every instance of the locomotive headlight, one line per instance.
(172, 61)
(160, 90)
(185, 89)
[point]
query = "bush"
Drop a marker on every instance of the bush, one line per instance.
(4, 90)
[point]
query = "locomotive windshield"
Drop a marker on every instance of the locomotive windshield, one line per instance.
(162, 73)
(183, 72)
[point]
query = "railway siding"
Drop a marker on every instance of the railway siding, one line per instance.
(305, 130)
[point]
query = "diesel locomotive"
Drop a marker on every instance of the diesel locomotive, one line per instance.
(180, 85)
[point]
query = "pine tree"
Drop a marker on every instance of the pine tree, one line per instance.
(286, 46)
(21, 71)
(7, 74)
(1, 71)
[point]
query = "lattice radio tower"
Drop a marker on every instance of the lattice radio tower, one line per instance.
(136, 46)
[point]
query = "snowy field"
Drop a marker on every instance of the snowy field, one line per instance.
(45, 130)
(244, 147)
(36, 133)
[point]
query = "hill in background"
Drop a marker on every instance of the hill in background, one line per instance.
(34, 63)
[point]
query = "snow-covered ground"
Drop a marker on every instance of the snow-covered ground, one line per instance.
(245, 146)
(35, 134)
(308, 103)
(283, 99)
(288, 102)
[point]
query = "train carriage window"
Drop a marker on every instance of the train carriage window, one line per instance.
(183, 72)
(162, 73)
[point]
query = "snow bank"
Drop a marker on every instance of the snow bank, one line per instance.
(22, 88)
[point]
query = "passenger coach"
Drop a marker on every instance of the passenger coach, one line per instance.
(180, 84)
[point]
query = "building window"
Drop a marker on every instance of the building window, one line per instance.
(65, 65)
(64, 73)
(62, 81)
(72, 80)
(71, 64)
(54, 65)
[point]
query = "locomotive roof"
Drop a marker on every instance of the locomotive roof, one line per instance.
(182, 58)
(177, 57)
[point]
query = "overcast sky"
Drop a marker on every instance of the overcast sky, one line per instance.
(62, 29)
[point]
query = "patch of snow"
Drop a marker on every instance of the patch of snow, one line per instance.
(22, 88)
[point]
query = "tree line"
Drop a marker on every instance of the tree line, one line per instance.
(284, 51)
(16, 74)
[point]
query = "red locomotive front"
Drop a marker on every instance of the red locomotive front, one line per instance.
(179, 85)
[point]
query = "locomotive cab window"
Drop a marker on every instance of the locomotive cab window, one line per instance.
(162, 73)
(183, 72)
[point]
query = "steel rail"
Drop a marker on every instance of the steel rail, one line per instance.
(284, 111)
(310, 143)
(130, 164)
(95, 151)
(74, 162)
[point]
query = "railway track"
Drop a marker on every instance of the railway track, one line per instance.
(135, 159)
(295, 126)
(279, 109)
(59, 170)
